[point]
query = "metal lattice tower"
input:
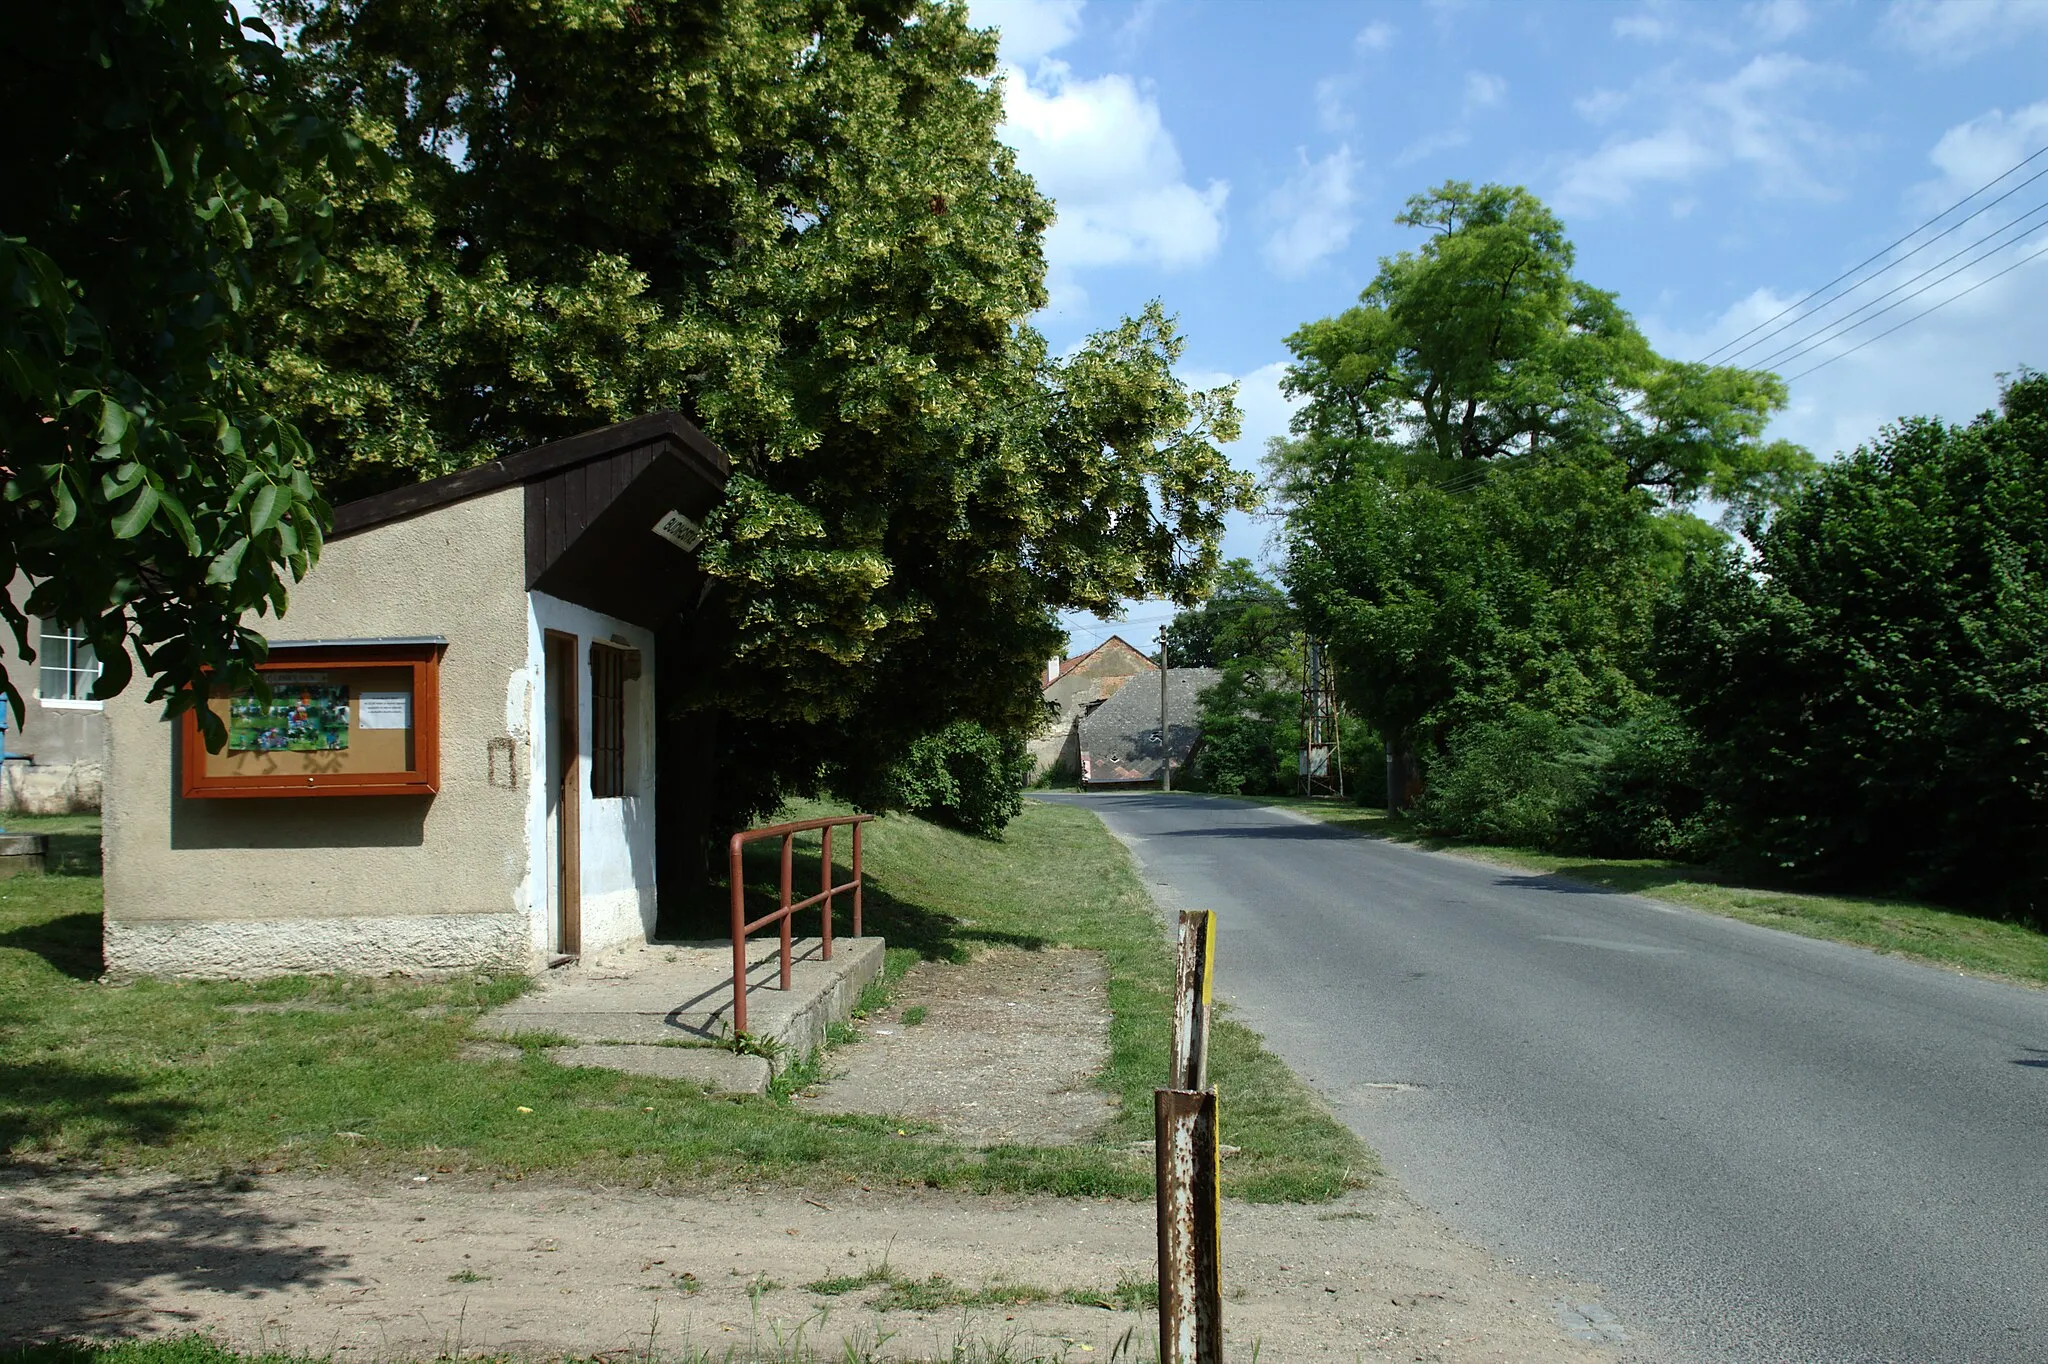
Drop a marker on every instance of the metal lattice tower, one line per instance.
(1322, 773)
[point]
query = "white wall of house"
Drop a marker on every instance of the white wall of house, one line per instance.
(617, 834)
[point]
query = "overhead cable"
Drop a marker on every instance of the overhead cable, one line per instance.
(1923, 312)
(1842, 326)
(1732, 345)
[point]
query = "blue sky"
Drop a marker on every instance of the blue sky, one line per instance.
(1243, 162)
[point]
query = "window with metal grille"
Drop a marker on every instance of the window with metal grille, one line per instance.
(609, 669)
(69, 666)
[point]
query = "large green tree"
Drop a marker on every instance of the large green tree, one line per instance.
(1481, 347)
(1874, 687)
(794, 220)
(156, 162)
(1491, 467)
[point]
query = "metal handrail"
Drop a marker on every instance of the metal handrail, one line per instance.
(741, 927)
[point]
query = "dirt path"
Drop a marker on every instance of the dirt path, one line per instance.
(1005, 1049)
(415, 1267)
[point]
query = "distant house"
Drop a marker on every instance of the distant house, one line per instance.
(1120, 740)
(56, 741)
(1074, 687)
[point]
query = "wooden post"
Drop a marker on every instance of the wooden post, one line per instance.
(1190, 1249)
(1186, 1164)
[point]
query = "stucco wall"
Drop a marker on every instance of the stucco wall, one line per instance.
(235, 886)
(617, 833)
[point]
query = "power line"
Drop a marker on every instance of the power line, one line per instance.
(1841, 326)
(1982, 209)
(1923, 312)
(1881, 253)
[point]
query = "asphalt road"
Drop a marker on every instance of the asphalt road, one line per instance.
(1762, 1147)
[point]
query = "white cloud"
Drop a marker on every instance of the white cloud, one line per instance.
(1944, 365)
(1376, 36)
(1750, 120)
(1952, 30)
(1101, 151)
(1314, 213)
(1602, 105)
(1483, 91)
(1031, 29)
(1650, 22)
(1970, 154)
(1333, 103)
(1429, 144)
(1777, 20)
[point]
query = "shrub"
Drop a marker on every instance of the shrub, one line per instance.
(1626, 789)
(1250, 734)
(1506, 780)
(965, 776)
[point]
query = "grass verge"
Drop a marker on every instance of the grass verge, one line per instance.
(1901, 928)
(347, 1073)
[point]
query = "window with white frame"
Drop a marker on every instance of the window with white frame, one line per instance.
(69, 666)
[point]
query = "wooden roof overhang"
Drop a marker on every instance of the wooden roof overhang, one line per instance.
(602, 509)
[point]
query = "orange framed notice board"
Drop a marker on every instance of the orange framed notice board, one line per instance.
(344, 718)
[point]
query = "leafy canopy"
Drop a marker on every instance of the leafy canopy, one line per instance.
(1481, 347)
(156, 163)
(1874, 689)
(794, 220)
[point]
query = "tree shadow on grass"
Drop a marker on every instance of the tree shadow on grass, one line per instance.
(933, 934)
(77, 1252)
(71, 943)
(72, 854)
(41, 1101)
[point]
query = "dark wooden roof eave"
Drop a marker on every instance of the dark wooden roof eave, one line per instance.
(692, 445)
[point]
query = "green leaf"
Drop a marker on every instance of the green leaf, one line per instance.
(132, 522)
(228, 562)
(267, 508)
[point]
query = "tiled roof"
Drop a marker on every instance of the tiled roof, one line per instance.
(1067, 665)
(1120, 737)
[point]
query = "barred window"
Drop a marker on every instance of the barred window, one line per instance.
(69, 666)
(610, 668)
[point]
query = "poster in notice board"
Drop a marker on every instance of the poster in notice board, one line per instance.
(334, 725)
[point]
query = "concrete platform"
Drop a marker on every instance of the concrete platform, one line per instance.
(650, 993)
(21, 853)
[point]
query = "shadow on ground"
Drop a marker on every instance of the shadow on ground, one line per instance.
(79, 1257)
(40, 1100)
(70, 943)
(933, 934)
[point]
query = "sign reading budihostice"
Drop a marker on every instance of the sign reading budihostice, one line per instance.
(680, 531)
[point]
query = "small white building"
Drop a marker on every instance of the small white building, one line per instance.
(463, 758)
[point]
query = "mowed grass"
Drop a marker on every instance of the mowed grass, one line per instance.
(348, 1073)
(1903, 928)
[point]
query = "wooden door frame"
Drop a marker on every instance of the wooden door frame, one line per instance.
(560, 682)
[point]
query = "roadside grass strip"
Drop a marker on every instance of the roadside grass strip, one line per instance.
(355, 1074)
(1900, 928)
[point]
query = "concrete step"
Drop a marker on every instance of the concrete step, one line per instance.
(682, 992)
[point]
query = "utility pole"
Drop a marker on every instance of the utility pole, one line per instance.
(1320, 743)
(1165, 734)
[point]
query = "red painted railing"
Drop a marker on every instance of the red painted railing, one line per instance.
(741, 926)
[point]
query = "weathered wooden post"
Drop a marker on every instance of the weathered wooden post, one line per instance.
(1187, 1153)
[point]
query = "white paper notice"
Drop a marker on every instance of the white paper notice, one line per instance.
(383, 710)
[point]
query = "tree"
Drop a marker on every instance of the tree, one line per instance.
(1490, 480)
(1482, 347)
(794, 220)
(153, 495)
(1873, 690)
(1246, 616)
